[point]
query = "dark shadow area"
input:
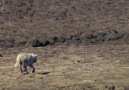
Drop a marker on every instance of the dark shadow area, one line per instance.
(43, 73)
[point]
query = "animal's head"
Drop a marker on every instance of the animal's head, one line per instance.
(35, 57)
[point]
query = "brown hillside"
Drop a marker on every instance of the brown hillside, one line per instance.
(87, 44)
(83, 21)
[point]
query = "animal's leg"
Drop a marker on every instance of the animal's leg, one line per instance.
(33, 68)
(25, 69)
(21, 69)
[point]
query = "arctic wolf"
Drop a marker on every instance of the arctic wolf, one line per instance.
(26, 59)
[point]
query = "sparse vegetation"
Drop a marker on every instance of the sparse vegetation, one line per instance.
(82, 44)
(54, 21)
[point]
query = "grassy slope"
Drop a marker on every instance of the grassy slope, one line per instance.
(30, 19)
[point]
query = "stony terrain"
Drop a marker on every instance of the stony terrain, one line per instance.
(81, 44)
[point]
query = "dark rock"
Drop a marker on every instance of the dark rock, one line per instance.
(1, 55)
(61, 39)
(53, 40)
(110, 87)
(45, 43)
(36, 43)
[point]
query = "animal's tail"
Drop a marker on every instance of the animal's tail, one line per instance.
(17, 63)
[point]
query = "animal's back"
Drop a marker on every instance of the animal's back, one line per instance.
(21, 57)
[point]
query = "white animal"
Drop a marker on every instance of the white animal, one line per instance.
(25, 59)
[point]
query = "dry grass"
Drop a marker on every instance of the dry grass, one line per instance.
(26, 20)
(97, 67)
(97, 24)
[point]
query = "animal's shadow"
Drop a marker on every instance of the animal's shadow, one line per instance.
(43, 73)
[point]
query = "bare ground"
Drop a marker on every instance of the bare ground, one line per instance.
(93, 67)
(87, 44)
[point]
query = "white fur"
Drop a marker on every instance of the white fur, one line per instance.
(34, 55)
(25, 56)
